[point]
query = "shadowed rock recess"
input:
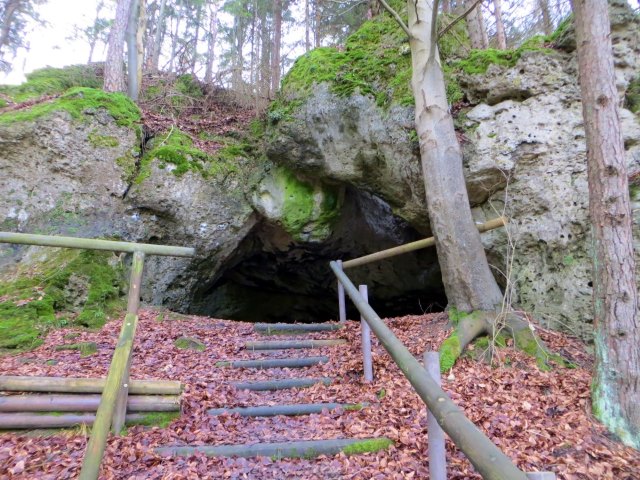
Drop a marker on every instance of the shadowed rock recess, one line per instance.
(334, 173)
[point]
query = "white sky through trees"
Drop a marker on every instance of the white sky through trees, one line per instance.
(50, 45)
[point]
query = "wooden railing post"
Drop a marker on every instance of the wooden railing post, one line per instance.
(541, 476)
(437, 455)
(342, 311)
(133, 304)
(367, 359)
(116, 378)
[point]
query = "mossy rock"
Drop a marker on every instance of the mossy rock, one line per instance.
(86, 349)
(53, 81)
(175, 151)
(190, 343)
(80, 102)
(632, 96)
(34, 298)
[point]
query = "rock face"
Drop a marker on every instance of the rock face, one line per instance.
(524, 154)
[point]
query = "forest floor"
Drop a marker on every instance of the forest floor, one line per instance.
(540, 419)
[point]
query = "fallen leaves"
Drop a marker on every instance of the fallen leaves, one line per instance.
(540, 419)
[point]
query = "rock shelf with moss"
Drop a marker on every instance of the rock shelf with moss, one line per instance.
(174, 150)
(79, 102)
(68, 287)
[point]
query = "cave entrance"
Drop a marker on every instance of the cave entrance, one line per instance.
(270, 278)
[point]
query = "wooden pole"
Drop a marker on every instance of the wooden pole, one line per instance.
(283, 384)
(342, 310)
(289, 410)
(84, 403)
(274, 363)
(93, 244)
(294, 344)
(541, 476)
(488, 459)
(410, 247)
(11, 421)
(133, 304)
(437, 455)
(104, 416)
(367, 361)
(84, 385)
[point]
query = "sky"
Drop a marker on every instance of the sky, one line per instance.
(50, 46)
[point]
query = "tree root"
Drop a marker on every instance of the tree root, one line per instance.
(470, 326)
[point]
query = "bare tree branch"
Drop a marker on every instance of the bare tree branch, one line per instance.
(434, 30)
(397, 17)
(461, 17)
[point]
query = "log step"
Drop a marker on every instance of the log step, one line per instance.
(85, 385)
(281, 384)
(286, 344)
(299, 449)
(275, 363)
(85, 403)
(294, 328)
(290, 410)
(16, 421)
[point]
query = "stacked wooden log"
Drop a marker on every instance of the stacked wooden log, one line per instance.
(54, 402)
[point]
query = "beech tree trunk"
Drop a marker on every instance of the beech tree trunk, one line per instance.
(501, 38)
(307, 27)
(114, 68)
(211, 45)
(133, 87)
(157, 39)
(277, 37)
(476, 27)
(616, 383)
(196, 35)
(547, 24)
(468, 281)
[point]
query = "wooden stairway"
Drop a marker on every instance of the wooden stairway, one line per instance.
(293, 449)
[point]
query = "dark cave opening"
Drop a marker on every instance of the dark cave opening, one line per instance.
(271, 278)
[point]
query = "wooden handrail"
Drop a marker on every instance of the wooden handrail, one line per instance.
(94, 244)
(417, 245)
(487, 458)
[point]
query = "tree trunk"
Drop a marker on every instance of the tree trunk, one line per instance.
(307, 27)
(174, 44)
(501, 38)
(194, 51)
(317, 24)
(277, 37)
(113, 68)
(7, 18)
(142, 27)
(476, 27)
(616, 383)
(547, 24)
(133, 87)
(157, 39)
(211, 44)
(468, 281)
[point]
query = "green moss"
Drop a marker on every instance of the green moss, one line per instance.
(128, 163)
(188, 343)
(176, 148)
(381, 394)
(355, 407)
(368, 446)
(450, 351)
(564, 28)
(632, 96)
(52, 81)
(222, 364)
(86, 348)
(189, 85)
(103, 141)
(34, 299)
(79, 102)
(455, 315)
(156, 419)
(307, 210)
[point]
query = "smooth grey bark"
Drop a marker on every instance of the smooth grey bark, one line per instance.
(157, 39)
(211, 41)
(133, 86)
(277, 38)
(282, 384)
(285, 344)
(476, 27)
(501, 38)
(616, 382)
(279, 328)
(275, 363)
(468, 281)
(10, 9)
(547, 23)
(289, 410)
(113, 68)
